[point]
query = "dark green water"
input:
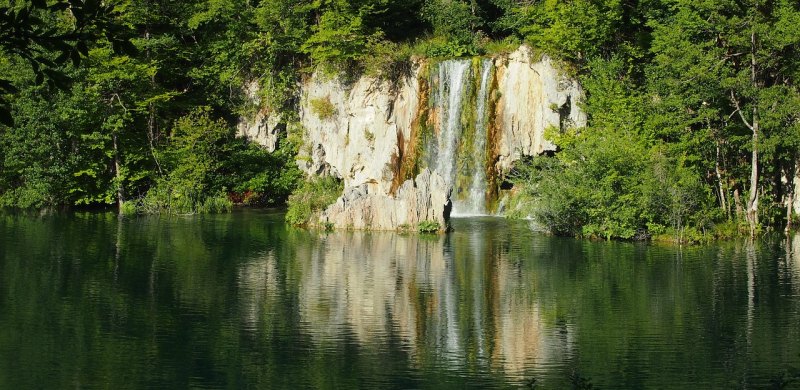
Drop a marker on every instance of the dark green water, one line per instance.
(242, 301)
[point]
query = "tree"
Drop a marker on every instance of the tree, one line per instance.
(729, 67)
(47, 36)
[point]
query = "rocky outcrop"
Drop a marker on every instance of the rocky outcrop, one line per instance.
(263, 127)
(534, 96)
(365, 131)
(426, 198)
(357, 131)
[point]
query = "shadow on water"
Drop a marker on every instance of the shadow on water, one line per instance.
(242, 300)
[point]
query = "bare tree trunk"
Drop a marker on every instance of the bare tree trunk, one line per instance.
(751, 213)
(752, 201)
(723, 203)
(118, 175)
(790, 183)
(789, 206)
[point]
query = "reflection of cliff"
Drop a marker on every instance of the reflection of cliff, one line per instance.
(794, 259)
(519, 331)
(366, 284)
(257, 280)
(459, 305)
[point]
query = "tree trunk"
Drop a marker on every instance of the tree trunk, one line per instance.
(752, 201)
(751, 213)
(790, 184)
(118, 175)
(723, 203)
(789, 206)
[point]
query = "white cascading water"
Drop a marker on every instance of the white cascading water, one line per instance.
(475, 203)
(452, 79)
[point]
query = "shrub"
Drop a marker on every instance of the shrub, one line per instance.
(193, 162)
(609, 184)
(311, 197)
(323, 108)
(429, 227)
(258, 177)
(444, 48)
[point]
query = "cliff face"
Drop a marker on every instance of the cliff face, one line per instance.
(533, 97)
(425, 198)
(355, 132)
(440, 137)
(263, 127)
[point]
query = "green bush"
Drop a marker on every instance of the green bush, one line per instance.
(323, 108)
(311, 197)
(608, 184)
(218, 203)
(257, 177)
(130, 208)
(429, 227)
(192, 162)
(445, 48)
(390, 62)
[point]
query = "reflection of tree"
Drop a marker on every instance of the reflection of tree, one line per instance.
(242, 301)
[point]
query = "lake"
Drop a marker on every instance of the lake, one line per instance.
(90, 300)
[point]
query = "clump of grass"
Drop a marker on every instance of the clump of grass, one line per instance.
(323, 108)
(429, 227)
(503, 46)
(164, 200)
(312, 197)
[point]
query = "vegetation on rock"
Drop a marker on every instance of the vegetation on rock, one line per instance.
(311, 197)
(693, 105)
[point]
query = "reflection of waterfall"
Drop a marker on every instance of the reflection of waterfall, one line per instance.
(449, 292)
(439, 297)
(475, 202)
(452, 77)
(478, 288)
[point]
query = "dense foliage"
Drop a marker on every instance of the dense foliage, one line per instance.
(693, 105)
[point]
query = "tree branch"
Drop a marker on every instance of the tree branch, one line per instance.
(739, 110)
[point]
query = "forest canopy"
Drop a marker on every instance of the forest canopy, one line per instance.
(693, 105)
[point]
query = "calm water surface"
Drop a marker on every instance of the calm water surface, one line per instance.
(243, 301)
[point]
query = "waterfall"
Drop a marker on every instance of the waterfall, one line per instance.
(462, 163)
(475, 203)
(452, 79)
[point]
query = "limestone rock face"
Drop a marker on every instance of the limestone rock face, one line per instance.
(426, 198)
(363, 131)
(356, 131)
(533, 97)
(263, 127)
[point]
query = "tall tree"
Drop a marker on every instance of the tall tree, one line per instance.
(728, 67)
